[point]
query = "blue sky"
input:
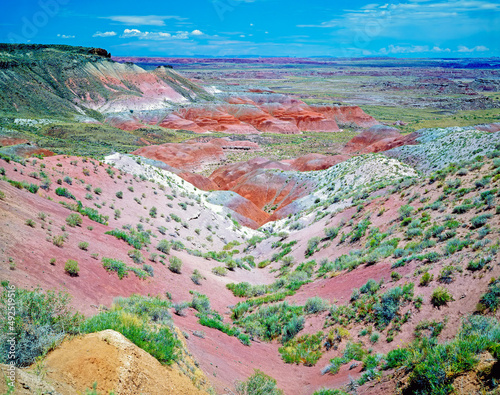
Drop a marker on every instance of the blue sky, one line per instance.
(410, 28)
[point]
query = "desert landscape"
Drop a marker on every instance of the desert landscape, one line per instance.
(247, 225)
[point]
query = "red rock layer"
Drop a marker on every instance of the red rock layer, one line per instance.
(378, 138)
(311, 162)
(185, 156)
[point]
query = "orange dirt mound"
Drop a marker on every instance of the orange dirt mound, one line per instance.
(26, 151)
(115, 363)
(8, 141)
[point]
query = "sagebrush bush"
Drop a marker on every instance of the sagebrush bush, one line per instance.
(175, 265)
(74, 219)
(433, 367)
(258, 384)
(480, 220)
(426, 279)
(312, 244)
(219, 271)
(114, 265)
(136, 256)
(83, 245)
(440, 297)
(71, 267)
(41, 322)
(163, 246)
(315, 305)
(196, 277)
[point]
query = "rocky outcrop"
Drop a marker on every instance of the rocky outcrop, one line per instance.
(235, 145)
(100, 52)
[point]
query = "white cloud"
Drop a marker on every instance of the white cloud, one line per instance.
(422, 17)
(146, 20)
(65, 36)
(478, 48)
(141, 35)
(104, 34)
(437, 49)
(397, 49)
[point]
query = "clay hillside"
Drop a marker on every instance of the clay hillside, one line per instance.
(161, 238)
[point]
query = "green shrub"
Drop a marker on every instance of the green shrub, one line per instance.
(196, 277)
(491, 299)
(136, 256)
(433, 367)
(175, 265)
(386, 309)
(149, 270)
(330, 391)
(42, 320)
(177, 245)
(219, 271)
(440, 297)
(65, 193)
(405, 212)
(432, 328)
(71, 267)
(360, 230)
(305, 349)
(331, 233)
(119, 195)
(315, 305)
(58, 241)
(114, 265)
(74, 219)
(163, 246)
(478, 264)
(160, 342)
(136, 239)
(480, 220)
(396, 358)
(370, 287)
(374, 337)
(426, 279)
(312, 244)
(83, 245)
(258, 384)
(395, 276)
(446, 274)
